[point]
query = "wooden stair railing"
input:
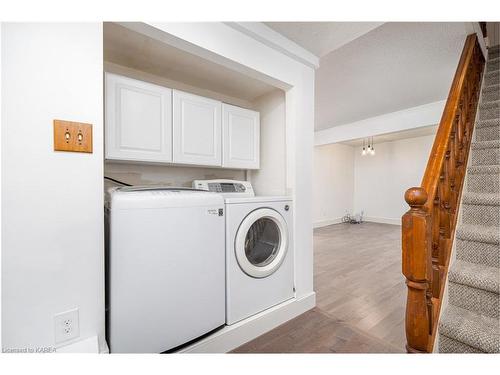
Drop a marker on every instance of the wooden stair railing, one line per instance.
(428, 227)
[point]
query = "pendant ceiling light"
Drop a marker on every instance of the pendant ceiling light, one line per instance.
(368, 147)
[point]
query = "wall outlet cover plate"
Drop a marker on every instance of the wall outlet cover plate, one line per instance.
(67, 325)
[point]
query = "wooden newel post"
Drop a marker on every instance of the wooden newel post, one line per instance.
(417, 268)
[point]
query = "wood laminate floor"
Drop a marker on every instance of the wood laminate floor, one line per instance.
(360, 296)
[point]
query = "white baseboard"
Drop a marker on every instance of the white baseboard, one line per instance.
(88, 345)
(372, 219)
(324, 223)
(231, 337)
(382, 220)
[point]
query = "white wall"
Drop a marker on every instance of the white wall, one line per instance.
(177, 176)
(380, 181)
(270, 179)
(333, 189)
(345, 181)
(52, 202)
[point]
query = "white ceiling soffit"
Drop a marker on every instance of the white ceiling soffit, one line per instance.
(275, 40)
(391, 137)
(125, 47)
(393, 67)
(321, 38)
(406, 119)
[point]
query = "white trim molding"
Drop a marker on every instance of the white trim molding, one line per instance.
(325, 223)
(233, 336)
(409, 118)
(383, 220)
(273, 39)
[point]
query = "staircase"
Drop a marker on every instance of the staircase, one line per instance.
(471, 321)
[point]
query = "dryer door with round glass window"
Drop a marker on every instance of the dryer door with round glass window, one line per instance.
(261, 242)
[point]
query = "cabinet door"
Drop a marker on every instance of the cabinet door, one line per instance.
(138, 120)
(197, 129)
(241, 137)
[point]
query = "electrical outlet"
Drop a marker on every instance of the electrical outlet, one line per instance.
(67, 325)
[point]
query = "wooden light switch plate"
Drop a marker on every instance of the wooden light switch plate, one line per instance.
(72, 136)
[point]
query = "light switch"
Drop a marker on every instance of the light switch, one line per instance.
(72, 136)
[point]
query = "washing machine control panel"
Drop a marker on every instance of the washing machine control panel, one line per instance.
(231, 188)
(225, 187)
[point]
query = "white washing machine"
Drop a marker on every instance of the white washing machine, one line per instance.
(165, 263)
(259, 248)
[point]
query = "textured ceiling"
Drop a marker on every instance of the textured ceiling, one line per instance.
(321, 38)
(393, 67)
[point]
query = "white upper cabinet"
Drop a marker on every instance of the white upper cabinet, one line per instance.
(241, 137)
(150, 123)
(197, 129)
(138, 120)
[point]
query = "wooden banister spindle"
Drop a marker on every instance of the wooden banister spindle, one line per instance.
(461, 136)
(452, 167)
(416, 242)
(436, 235)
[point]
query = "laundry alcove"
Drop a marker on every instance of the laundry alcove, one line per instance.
(128, 53)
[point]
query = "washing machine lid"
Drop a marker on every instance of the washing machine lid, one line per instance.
(261, 242)
(145, 197)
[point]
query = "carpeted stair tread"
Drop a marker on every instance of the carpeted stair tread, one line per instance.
(488, 123)
(477, 300)
(478, 233)
(495, 104)
(495, 87)
(491, 78)
(448, 345)
(483, 169)
(483, 179)
(493, 64)
(475, 275)
(481, 208)
(485, 152)
(478, 252)
(487, 133)
(481, 199)
(495, 144)
(493, 73)
(477, 331)
(491, 93)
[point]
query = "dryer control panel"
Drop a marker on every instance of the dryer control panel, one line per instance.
(228, 188)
